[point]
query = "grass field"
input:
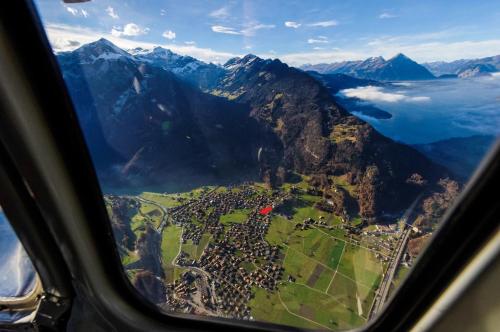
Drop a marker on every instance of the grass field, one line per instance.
(279, 230)
(167, 201)
(298, 265)
(300, 306)
(194, 251)
(148, 208)
(152, 213)
(302, 268)
(347, 291)
(138, 224)
(178, 271)
(356, 221)
(312, 257)
(267, 307)
(361, 265)
(129, 257)
(176, 199)
(301, 183)
(318, 246)
(237, 216)
(342, 182)
(170, 245)
(319, 307)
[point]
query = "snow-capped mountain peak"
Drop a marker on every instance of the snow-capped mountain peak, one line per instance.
(100, 49)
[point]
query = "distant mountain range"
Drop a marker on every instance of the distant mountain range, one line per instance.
(466, 67)
(398, 68)
(158, 117)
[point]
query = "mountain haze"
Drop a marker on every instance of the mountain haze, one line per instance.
(465, 67)
(398, 68)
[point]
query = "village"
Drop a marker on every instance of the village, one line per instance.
(218, 278)
(222, 256)
(238, 259)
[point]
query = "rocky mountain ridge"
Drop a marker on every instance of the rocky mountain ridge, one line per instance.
(261, 119)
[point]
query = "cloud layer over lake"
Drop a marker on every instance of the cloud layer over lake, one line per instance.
(377, 94)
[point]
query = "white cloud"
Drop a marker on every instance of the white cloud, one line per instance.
(220, 13)
(318, 40)
(111, 12)
(315, 57)
(169, 34)
(291, 24)
(65, 38)
(72, 11)
(422, 48)
(252, 29)
(190, 42)
(248, 31)
(247, 47)
(163, 12)
(226, 30)
(77, 12)
(130, 29)
(376, 94)
(317, 48)
(386, 15)
(324, 24)
(405, 84)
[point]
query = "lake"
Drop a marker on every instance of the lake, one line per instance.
(428, 111)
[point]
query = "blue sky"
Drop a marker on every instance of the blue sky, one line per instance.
(297, 32)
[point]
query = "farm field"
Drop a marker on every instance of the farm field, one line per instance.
(170, 247)
(329, 276)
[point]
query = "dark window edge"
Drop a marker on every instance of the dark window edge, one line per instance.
(452, 246)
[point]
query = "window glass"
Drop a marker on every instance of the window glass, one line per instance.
(18, 279)
(278, 161)
(17, 276)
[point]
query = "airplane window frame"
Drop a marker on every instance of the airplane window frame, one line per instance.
(451, 247)
(27, 222)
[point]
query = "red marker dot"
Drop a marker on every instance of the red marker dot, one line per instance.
(266, 210)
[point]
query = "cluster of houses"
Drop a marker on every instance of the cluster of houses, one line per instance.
(226, 260)
(237, 259)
